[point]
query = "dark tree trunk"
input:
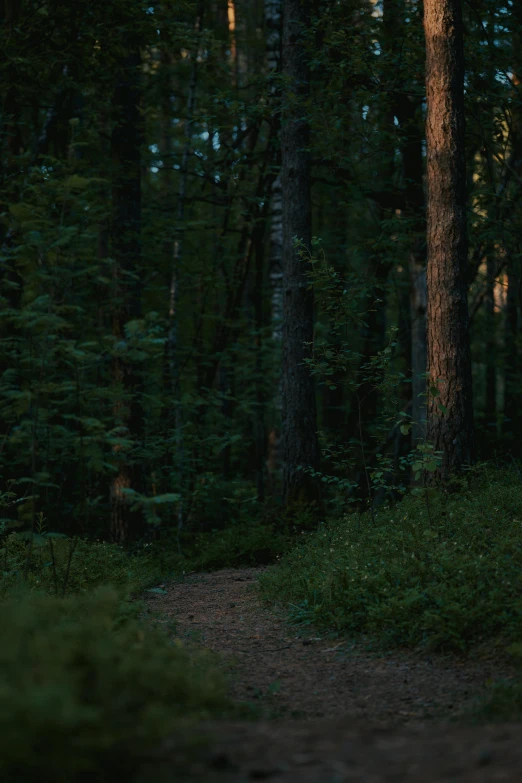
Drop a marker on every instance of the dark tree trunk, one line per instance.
(450, 427)
(300, 445)
(260, 329)
(415, 210)
(512, 426)
(513, 366)
(126, 143)
(491, 369)
(273, 24)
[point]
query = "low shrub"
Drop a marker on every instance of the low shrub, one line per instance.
(236, 545)
(245, 542)
(502, 702)
(87, 691)
(444, 572)
(60, 566)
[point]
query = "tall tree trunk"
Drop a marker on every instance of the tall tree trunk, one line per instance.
(273, 23)
(513, 342)
(126, 140)
(260, 330)
(491, 370)
(410, 120)
(450, 414)
(300, 444)
(415, 211)
(276, 291)
(513, 365)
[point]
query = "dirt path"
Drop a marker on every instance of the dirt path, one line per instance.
(340, 715)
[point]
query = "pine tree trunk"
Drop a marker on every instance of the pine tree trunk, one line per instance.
(512, 365)
(300, 445)
(450, 414)
(273, 25)
(512, 426)
(260, 330)
(276, 291)
(491, 371)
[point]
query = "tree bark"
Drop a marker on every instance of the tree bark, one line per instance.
(300, 444)
(512, 425)
(491, 370)
(450, 414)
(273, 24)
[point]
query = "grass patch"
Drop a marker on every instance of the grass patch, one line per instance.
(88, 691)
(446, 577)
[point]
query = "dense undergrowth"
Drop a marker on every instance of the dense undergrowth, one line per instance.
(242, 542)
(62, 566)
(90, 683)
(88, 690)
(443, 572)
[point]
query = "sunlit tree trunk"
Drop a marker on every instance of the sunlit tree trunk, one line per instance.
(450, 410)
(300, 445)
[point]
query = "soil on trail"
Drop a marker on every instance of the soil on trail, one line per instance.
(331, 713)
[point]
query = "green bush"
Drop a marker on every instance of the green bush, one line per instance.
(245, 542)
(237, 545)
(502, 700)
(87, 690)
(58, 565)
(444, 572)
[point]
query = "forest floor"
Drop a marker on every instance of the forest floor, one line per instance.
(330, 711)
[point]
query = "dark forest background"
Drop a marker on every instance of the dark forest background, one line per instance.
(143, 245)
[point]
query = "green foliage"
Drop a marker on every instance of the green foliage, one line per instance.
(363, 376)
(502, 702)
(87, 691)
(442, 570)
(58, 565)
(241, 543)
(503, 698)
